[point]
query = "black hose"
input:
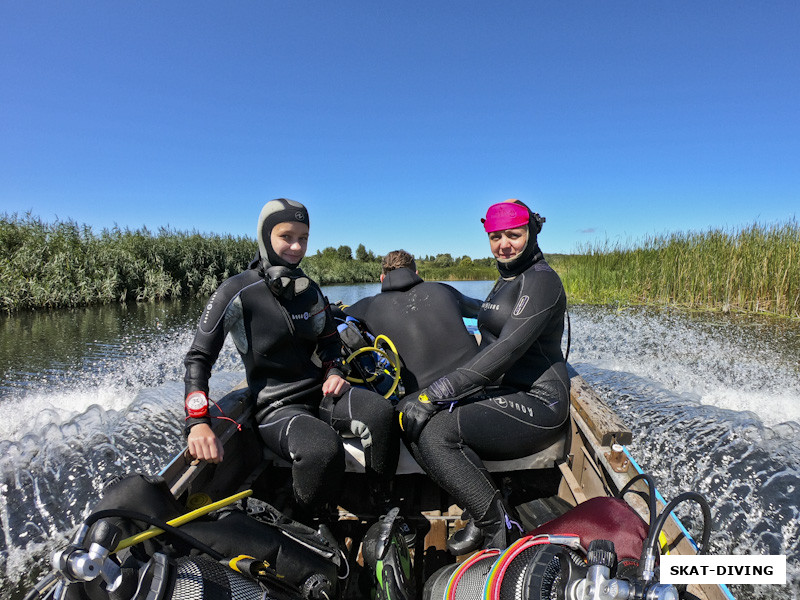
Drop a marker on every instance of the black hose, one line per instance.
(43, 585)
(269, 574)
(174, 531)
(651, 495)
(655, 529)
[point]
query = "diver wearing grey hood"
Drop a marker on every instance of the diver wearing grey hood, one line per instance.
(278, 320)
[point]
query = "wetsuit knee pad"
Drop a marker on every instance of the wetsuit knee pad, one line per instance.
(317, 456)
(309, 439)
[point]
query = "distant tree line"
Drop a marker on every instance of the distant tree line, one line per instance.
(64, 264)
(341, 265)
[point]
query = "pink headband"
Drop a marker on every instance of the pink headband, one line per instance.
(505, 215)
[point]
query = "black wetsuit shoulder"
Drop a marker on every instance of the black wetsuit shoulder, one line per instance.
(424, 321)
(277, 339)
(521, 324)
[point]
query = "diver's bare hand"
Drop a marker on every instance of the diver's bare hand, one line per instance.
(334, 386)
(204, 444)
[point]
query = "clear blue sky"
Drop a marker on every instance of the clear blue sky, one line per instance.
(398, 123)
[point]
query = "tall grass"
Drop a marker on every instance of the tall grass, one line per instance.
(754, 269)
(65, 264)
(62, 264)
(457, 272)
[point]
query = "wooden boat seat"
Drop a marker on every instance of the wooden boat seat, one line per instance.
(354, 458)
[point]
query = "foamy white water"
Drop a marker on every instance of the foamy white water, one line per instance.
(713, 403)
(727, 362)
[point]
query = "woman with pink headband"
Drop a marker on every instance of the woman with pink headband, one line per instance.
(511, 399)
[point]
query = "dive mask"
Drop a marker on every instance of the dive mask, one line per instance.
(286, 282)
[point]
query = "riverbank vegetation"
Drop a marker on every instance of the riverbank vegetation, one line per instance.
(63, 264)
(755, 269)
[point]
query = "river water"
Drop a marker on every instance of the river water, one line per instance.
(713, 401)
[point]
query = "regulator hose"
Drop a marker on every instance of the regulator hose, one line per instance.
(650, 546)
(395, 362)
(651, 495)
(42, 587)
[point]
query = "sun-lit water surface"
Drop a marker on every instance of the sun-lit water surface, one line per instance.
(714, 403)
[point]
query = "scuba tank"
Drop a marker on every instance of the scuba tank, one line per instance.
(609, 548)
(233, 554)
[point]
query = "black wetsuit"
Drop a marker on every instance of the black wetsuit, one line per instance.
(424, 321)
(277, 337)
(514, 394)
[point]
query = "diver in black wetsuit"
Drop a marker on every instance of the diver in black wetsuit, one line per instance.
(278, 318)
(508, 401)
(423, 320)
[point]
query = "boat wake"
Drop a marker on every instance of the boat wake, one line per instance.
(710, 417)
(713, 403)
(59, 447)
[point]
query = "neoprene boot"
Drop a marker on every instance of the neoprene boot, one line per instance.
(499, 529)
(466, 540)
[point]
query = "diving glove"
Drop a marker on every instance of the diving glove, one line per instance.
(415, 411)
(441, 390)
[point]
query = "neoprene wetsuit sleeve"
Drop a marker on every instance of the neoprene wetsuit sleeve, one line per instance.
(522, 328)
(207, 344)
(329, 346)
(358, 309)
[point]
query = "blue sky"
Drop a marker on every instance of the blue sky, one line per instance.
(398, 123)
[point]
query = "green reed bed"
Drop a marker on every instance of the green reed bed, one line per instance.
(458, 273)
(63, 264)
(755, 269)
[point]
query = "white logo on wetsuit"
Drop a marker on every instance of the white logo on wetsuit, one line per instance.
(304, 316)
(209, 306)
(520, 305)
(490, 306)
(503, 403)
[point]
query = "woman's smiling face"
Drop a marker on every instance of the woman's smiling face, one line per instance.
(508, 244)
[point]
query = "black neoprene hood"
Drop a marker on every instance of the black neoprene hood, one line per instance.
(277, 211)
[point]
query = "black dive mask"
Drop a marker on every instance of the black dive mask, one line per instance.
(285, 282)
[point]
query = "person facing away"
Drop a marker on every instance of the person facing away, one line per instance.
(423, 319)
(278, 319)
(508, 401)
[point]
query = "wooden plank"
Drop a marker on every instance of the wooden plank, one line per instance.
(604, 423)
(572, 483)
(436, 537)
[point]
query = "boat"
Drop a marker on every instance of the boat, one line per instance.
(196, 531)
